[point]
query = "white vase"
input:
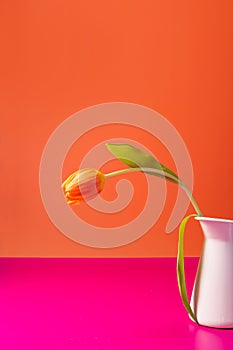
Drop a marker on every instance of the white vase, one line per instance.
(212, 296)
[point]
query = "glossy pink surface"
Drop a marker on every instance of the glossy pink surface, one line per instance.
(99, 304)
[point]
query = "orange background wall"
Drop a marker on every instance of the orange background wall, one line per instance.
(60, 56)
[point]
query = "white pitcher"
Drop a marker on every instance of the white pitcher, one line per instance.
(212, 296)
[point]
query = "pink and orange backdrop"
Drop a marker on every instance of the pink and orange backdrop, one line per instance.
(58, 57)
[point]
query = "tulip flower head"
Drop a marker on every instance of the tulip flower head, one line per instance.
(83, 185)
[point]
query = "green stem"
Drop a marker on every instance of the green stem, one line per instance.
(192, 199)
(181, 270)
(160, 173)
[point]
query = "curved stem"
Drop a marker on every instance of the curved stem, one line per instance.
(160, 173)
(192, 199)
(181, 270)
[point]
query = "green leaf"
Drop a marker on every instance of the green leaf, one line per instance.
(180, 269)
(136, 158)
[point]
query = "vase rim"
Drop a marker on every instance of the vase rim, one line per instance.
(205, 218)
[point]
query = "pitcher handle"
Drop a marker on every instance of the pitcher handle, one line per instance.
(180, 268)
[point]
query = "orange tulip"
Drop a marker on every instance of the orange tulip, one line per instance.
(83, 185)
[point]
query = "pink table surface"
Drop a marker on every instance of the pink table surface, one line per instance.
(99, 304)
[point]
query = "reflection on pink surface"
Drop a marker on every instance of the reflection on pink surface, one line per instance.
(99, 304)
